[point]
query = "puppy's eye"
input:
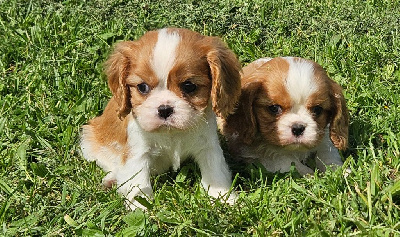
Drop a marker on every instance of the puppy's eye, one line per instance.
(188, 87)
(316, 110)
(143, 88)
(275, 109)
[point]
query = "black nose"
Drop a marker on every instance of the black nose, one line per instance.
(164, 111)
(298, 129)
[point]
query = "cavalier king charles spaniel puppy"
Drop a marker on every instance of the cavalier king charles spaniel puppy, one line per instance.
(289, 111)
(168, 86)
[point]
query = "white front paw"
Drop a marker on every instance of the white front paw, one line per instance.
(346, 172)
(133, 204)
(135, 194)
(222, 194)
(232, 198)
(109, 180)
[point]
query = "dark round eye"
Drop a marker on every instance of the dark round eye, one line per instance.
(143, 88)
(316, 110)
(188, 87)
(275, 109)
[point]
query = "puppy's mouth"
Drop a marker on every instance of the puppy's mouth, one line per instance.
(299, 143)
(165, 126)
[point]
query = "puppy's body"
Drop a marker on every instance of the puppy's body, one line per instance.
(289, 110)
(167, 87)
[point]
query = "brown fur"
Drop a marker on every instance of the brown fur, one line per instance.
(121, 63)
(339, 128)
(107, 129)
(224, 66)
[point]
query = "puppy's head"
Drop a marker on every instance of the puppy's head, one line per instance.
(290, 102)
(168, 78)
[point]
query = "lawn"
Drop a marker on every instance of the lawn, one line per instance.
(51, 83)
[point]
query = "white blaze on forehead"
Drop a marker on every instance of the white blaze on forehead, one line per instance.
(164, 54)
(300, 81)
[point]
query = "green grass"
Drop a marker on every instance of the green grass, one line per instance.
(51, 83)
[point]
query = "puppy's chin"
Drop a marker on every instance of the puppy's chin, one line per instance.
(298, 146)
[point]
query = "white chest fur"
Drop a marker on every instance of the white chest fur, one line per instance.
(169, 148)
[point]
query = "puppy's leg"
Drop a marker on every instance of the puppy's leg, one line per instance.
(282, 164)
(215, 174)
(134, 180)
(302, 169)
(327, 155)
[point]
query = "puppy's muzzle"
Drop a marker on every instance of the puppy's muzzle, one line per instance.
(164, 111)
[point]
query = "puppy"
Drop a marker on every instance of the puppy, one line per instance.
(289, 110)
(168, 86)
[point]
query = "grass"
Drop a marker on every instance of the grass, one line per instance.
(51, 83)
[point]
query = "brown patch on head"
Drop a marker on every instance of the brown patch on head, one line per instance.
(330, 97)
(191, 66)
(320, 99)
(209, 64)
(274, 93)
(242, 124)
(127, 58)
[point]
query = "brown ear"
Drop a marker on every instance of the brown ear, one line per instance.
(339, 124)
(117, 69)
(243, 122)
(225, 69)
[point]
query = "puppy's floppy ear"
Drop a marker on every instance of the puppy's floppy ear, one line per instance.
(243, 122)
(117, 69)
(225, 72)
(339, 124)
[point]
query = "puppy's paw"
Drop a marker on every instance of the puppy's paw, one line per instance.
(132, 205)
(222, 194)
(346, 172)
(109, 180)
(231, 200)
(139, 198)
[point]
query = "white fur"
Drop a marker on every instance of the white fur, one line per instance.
(298, 114)
(154, 153)
(300, 81)
(164, 54)
(300, 84)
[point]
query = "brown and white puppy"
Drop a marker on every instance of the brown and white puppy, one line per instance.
(289, 109)
(167, 88)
